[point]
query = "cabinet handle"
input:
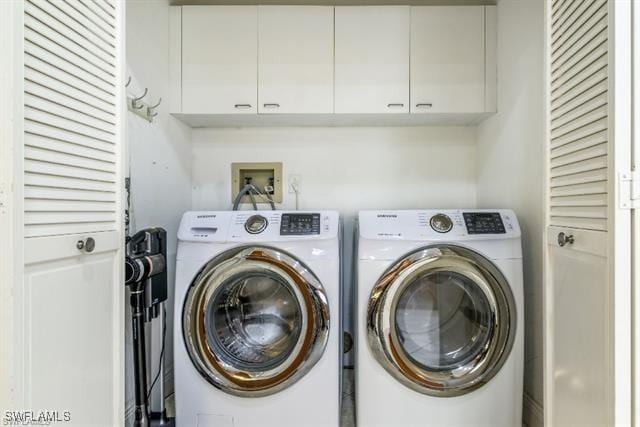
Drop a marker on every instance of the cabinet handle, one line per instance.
(564, 239)
(397, 105)
(424, 105)
(242, 106)
(271, 105)
(87, 245)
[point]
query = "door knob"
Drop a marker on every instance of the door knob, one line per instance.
(87, 245)
(563, 239)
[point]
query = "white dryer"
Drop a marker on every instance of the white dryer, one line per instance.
(440, 319)
(256, 338)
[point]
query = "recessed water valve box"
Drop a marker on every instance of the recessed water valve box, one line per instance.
(262, 175)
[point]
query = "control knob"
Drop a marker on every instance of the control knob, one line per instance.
(256, 224)
(441, 223)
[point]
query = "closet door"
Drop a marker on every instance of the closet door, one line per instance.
(219, 59)
(71, 312)
(372, 59)
(447, 59)
(295, 59)
(587, 292)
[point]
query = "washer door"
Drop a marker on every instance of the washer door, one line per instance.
(255, 320)
(442, 320)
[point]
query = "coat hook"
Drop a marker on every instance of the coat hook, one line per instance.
(153, 107)
(150, 109)
(128, 82)
(134, 101)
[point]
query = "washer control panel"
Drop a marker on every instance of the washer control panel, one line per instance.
(484, 223)
(299, 224)
(441, 223)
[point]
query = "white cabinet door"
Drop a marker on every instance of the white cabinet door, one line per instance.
(68, 294)
(72, 326)
(447, 59)
(580, 298)
(372, 59)
(295, 59)
(219, 59)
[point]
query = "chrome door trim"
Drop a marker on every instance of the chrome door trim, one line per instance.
(307, 350)
(381, 330)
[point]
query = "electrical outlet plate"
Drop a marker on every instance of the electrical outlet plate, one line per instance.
(294, 181)
(259, 174)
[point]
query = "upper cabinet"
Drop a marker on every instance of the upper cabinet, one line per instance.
(219, 59)
(291, 65)
(295, 59)
(449, 68)
(372, 59)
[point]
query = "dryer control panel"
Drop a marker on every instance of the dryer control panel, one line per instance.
(439, 225)
(484, 223)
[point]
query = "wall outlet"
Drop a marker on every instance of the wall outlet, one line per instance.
(294, 183)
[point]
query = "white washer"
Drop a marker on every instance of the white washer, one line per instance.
(440, 319)
(257, 319)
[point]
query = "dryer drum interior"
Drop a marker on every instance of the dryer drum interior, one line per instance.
(442, 320)
(255, 321)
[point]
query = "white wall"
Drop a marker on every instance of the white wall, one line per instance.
(347, 169)
(510, 165)
(159, 152)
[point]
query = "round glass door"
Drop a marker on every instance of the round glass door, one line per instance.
(255, 321)
(442, 320)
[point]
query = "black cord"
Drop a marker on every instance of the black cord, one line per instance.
(164, 335)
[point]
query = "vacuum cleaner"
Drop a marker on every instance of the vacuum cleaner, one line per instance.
(146, 277)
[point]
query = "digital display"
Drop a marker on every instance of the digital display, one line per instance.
(483, 223)
(299, 224)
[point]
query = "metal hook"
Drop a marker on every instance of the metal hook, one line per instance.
(134, 101)
(153, 107)
(128, 82)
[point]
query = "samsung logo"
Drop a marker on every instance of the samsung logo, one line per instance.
(205, 216)
(387, 216)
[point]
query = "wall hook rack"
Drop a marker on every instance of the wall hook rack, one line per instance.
(140, 108)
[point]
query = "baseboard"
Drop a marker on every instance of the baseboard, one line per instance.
(532, 412)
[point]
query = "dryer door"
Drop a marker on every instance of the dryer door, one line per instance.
(255, 320)
(442, 320)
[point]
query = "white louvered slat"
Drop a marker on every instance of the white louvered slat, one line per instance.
(71, 119)
(67, 7)
(582, 13)
(43, 116)
(60, 98)
(45, 193)
(61, 146)
(91, 40)
(580, 200)
(579, 115)
(46, 155)
(66, 60)
(91, 52)
(42, 129)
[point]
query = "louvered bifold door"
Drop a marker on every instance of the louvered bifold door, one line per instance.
(578, 377)
(73, 147)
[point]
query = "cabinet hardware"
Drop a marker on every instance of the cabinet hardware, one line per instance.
(424, 105)
(564, 239)
(243, 106)
(271, 105)
(398, 105)
(87, 245)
